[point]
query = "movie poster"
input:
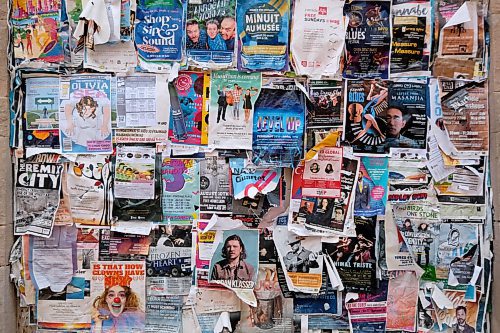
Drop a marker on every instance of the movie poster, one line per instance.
(237, 248)
(188, 130)
(354, 257)
(211, 32)
(85, 114)
(318, 35)
(37, 196)
(90, 190)
(181, 190)
(324, 110)
(411, 38)
(263, 28)
(278, 125)
(233, 97)
(159, 31)
(215, 191)
(368, 40)
(117, 290)
(371, 187)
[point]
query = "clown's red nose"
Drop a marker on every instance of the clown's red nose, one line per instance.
(117, 300)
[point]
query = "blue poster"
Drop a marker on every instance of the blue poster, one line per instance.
(159, 33)
(371, 186)
(278, 126)
(263, 28)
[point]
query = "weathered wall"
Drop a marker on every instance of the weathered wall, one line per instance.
(7, 295)
(494, 21)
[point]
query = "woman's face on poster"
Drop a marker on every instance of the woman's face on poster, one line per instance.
(116, 299)
(212, 30)
(88, 111)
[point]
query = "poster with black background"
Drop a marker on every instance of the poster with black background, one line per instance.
(408, 45)
(368, 40)
(354, 257)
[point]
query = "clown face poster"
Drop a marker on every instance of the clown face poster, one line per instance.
(117, 290)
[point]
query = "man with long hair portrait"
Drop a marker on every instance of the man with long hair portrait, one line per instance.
(233, 266)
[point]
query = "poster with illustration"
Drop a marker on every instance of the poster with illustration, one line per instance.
(35, 31)
(117, 290)
(368, 40)
(188, 129)
(85, 114)
(181, 190)
(42, 103)
(278, 125)
(371, 187)
(263, 34)
(159, 30)
(233, 98)
(248, 181)
(366, 104)
(211, 32)
(90, 192)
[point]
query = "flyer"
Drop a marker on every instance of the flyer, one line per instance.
(411, 38)
(85, 114)
(318, 26)
(215, 189)
(136, 101)
(464, 118)
(169, 265)
(164, 314)
(135, 172)
(181, 190)
(248, 180)
(301, 258)
(211, 32)
(368, 40)
(89, 190)
(324, 110)
(457, 252)
(159, 30)
(235, 261)
(371, 187)
(190, 89)
(37, 196)
(354, 257)
(278, 125)
(273, 311)
(402, 299)
(322, 175)
(42, 103)
(118, 297)
(366, 104)
(419, 225)
(369, 311)
(233, 94)
(263, 29)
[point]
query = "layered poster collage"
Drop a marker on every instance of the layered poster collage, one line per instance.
(249, 166)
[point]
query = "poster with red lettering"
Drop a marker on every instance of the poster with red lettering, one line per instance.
(117, 290)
